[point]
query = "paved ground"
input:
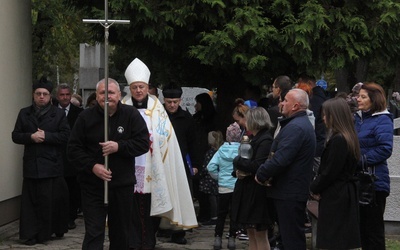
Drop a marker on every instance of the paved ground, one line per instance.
(199, 238)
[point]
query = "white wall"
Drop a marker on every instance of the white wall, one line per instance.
(16, 88)
(392, 212)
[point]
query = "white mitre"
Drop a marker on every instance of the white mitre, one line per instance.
(137, 71)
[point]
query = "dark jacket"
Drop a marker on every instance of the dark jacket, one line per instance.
(292, 154)
(249, 201)
(184, 127)
(42, 160)
(73, 113)
(375, 133)
(204, 124)
(317, 98)
(338, 221)
(126, 127)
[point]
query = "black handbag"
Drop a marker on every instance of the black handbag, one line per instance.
(366, 184)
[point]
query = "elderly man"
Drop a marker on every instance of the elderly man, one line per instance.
(63, 96)
(162, 189)
(184, 125)
(128, 138)
(43, 130)
(289, 169)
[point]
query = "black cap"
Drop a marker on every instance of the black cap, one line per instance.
(172, 92)
(43, 83)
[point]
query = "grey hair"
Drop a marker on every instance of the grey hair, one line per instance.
(110, 80)
(257, 119)
(301, 97)
(63, 86)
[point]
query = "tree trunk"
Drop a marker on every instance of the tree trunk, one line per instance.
(361, 70)
(396, 80)
(341, 76)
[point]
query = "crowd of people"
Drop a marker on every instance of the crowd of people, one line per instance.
(138, 178)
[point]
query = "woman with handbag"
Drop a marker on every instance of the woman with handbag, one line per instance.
(335, 186)
(374, 126)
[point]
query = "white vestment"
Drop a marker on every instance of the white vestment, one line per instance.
(165, 176)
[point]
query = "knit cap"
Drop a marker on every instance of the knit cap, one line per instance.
(233, 133)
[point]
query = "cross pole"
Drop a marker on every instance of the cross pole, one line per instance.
(106, 23)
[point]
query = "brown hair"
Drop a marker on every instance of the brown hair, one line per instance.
(377, 96)
(339, 120)
(240, 108)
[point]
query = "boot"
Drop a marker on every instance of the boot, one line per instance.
(217, 243)
(231, 243)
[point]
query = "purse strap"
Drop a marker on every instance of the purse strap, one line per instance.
(365, 167)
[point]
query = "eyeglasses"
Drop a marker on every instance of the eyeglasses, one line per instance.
(42, 93)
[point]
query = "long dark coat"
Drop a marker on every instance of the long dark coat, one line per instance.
(338, 219)
(249, 202)
(42, 160)
(44, 198)
(70, 170)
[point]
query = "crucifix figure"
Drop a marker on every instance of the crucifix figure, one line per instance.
(106, 23)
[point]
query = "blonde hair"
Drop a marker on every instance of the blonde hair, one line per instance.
(215, 139)
(240, 108)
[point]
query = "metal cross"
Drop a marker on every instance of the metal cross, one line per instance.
(106, 23)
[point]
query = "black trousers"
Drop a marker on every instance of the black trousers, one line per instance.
(372, 225)
(119, 211)
(224, 208)
(143, 226)
(74, 196)
(291, 223)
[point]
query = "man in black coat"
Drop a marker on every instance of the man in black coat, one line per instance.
(128, 137)
(282, 84)
(63, 97)
(317, 98)
(184, 125)
(43, 130)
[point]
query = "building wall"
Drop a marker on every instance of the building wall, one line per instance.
(392, 212)
(15, 80)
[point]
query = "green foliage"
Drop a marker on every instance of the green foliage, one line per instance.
(252, 40)
(57, 32)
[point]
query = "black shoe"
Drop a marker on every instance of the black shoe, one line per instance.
(162, 233)
(59, 235)
(71, 225)
(180, 240)
(30, 242)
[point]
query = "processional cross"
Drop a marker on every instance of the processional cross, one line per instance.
(106, 23)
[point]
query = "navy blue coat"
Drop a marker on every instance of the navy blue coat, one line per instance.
(375, 133)
(291, 159)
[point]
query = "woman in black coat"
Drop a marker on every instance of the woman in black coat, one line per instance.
(334, 186)
(250, 205)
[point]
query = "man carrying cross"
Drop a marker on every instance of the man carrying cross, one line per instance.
(128, 138)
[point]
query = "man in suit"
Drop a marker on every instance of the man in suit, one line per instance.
(63, 96)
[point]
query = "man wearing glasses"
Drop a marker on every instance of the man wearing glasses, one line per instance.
(43, 129)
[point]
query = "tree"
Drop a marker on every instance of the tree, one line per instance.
(229, 44)
(57, 32)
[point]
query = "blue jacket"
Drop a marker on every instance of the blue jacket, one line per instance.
(291, 160)
(375, 133)
(221, 165)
